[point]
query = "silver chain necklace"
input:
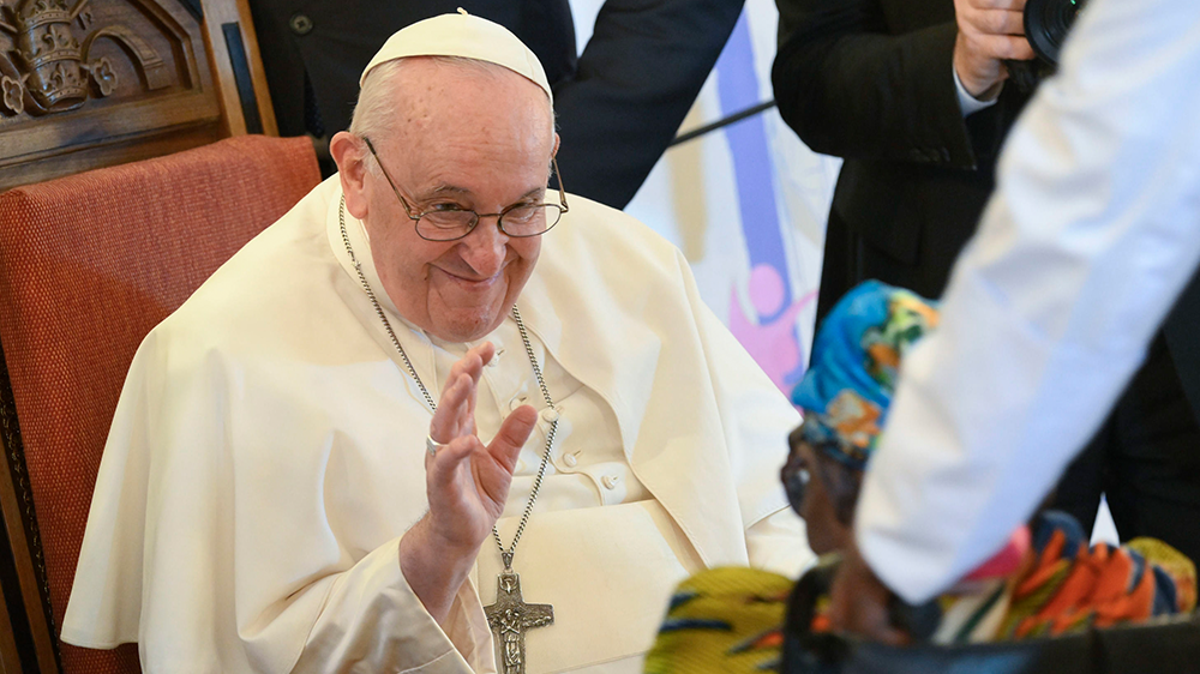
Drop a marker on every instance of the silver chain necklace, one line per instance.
(510, 617)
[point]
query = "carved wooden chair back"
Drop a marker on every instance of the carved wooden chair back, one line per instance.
(92, 83)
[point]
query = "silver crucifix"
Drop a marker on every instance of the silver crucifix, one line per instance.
(510, 617)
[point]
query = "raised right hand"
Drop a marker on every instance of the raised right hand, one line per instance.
(466, 482)
(467, 485)
(989, 31)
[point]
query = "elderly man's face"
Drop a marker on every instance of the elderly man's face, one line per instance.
(465, 139)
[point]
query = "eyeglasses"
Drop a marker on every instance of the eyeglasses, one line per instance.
(797, 473)
(448, 222)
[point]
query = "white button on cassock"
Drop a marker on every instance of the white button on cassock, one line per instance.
(570, 460)
(549, 415)
(610, 481)
(495, 361)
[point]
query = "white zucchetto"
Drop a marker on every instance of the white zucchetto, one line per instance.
(464, 36)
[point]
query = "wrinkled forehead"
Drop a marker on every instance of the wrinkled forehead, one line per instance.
(485, 84)
(454, 100)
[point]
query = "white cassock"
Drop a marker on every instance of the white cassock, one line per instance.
(267, 456)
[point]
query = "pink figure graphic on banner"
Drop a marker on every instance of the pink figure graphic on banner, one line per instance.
(773, 344)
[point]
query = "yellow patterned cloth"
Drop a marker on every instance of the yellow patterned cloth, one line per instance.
(724, 620)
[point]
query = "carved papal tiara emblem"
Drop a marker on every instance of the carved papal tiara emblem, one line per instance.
(50, 70)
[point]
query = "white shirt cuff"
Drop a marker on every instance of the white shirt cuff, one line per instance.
(966, 102)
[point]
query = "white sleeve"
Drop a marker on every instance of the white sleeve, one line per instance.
(1093, 231)
(372, 617)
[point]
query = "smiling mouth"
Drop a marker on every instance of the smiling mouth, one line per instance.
(468, 282)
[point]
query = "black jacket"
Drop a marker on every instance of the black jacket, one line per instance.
(871, 81)
(618, 105)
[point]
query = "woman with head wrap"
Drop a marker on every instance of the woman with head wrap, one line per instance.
(1045, 582)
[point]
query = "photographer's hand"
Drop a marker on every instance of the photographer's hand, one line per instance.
(989, 31)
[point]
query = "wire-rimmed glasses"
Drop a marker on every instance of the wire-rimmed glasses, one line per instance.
(449, 222)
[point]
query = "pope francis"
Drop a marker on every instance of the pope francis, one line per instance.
(438, 418)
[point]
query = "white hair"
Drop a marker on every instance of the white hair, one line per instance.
(375, 113)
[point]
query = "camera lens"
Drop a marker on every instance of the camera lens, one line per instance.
(1047, 23)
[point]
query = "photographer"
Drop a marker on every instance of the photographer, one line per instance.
(915, 95)
(912, 94)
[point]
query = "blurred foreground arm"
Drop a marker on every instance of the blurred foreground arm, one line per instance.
(1094, 230)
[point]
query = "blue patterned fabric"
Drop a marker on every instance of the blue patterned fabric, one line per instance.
(849, 384)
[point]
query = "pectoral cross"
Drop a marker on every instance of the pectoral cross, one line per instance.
(510, 617)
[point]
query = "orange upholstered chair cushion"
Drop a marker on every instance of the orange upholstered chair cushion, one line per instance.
(88, 265)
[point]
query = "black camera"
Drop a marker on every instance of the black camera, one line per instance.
(1047, 23)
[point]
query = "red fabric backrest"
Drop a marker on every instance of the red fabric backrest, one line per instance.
(88, 265)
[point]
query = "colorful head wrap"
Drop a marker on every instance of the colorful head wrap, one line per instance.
(850, 381)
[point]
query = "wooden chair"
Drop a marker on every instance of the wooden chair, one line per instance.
(92, 83)
(88, 265)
